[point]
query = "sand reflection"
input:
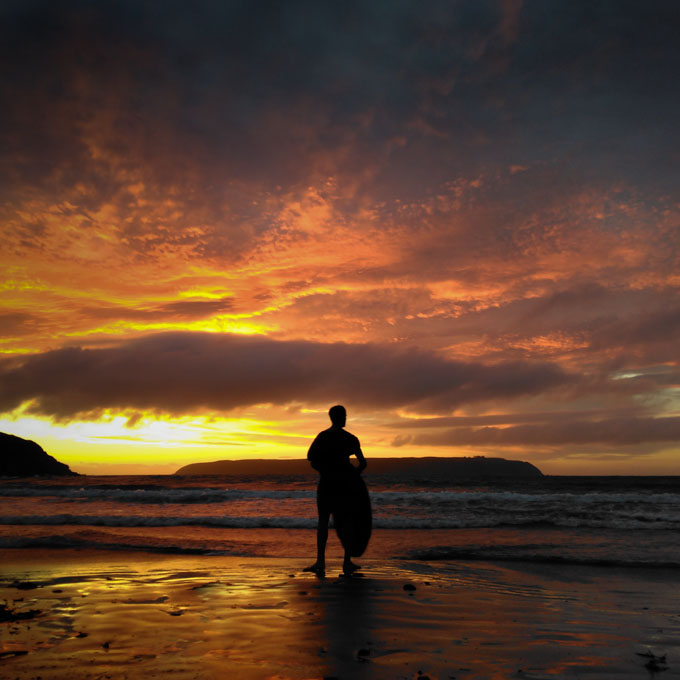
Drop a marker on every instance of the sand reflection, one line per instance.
(348, 632)
(211, 618)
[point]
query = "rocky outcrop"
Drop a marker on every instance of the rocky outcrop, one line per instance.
(412, 468)
(24, 458)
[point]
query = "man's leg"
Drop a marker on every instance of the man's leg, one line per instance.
(319, 567)
(322, 538)
(348, 567)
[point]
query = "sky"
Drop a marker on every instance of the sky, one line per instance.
(459, 219)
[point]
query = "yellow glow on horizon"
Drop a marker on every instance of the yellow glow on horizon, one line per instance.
(148, 441)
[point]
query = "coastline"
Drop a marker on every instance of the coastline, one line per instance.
(97, 614)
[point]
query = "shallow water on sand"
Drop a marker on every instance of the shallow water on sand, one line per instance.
(95, 614)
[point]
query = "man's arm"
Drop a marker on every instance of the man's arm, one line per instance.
(360, 457)
(313, 454)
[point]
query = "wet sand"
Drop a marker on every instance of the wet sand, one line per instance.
(76, 614)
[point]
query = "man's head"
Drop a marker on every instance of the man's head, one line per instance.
(338, 415)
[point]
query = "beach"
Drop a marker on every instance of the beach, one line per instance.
(76, 614)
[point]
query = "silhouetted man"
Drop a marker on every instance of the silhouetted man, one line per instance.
(329, 454)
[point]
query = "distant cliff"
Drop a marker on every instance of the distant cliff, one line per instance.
(24, 458)
(425, 468)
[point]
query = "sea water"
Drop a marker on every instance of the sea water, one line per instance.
(615, 521)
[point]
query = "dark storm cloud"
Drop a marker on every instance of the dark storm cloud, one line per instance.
(211, 96)
(181, 372)
(625, 431)
(653, 330)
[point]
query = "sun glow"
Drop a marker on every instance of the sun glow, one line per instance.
(218, 324)
(130, 442)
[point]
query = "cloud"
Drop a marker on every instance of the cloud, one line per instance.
(14, 322)
(479, 421)
(191, 132)
(183, 372)
(184, 309)
(220, 96)
(424, 206)
(624, 431)
(654, 331)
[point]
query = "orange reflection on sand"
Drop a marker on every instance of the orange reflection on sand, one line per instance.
(263, 618)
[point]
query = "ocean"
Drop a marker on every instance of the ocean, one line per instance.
(607, 521)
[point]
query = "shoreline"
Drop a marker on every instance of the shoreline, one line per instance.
(560, 546)
(95, 614)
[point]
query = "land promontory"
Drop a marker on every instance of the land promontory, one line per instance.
(437, 468)
(24, 458)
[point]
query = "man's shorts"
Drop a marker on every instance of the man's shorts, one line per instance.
(330, 495)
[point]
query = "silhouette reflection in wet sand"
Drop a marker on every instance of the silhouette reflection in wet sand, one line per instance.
(341, 492)
(349, 628)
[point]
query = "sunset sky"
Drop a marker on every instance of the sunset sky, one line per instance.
(459, 219)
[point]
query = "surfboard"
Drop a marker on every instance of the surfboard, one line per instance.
(352, 517)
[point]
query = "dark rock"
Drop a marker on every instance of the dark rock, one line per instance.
(11, 615)
(16, 652)
(24, 458)
(409, 586)
(654, 665)
(432, 468)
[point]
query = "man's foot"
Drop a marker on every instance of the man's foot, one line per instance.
(349, 568)
(318, 568)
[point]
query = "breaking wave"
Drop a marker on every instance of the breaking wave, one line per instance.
(153, 495)
(490, 520)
